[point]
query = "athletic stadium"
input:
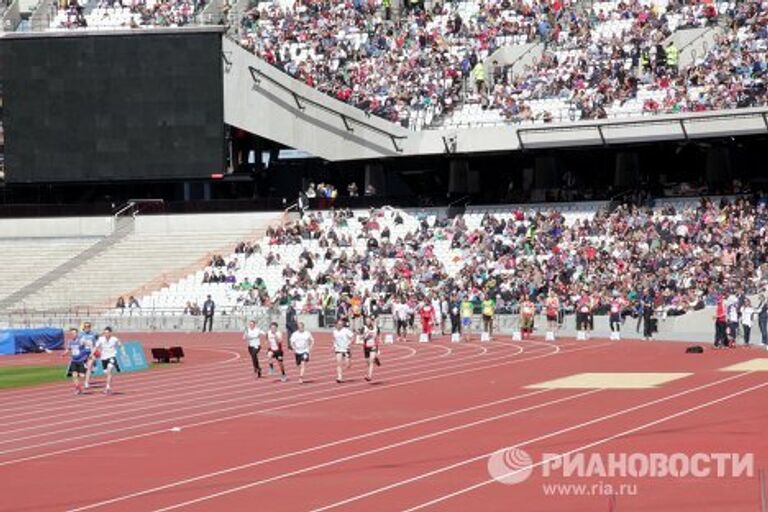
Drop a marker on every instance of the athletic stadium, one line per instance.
(383, 255)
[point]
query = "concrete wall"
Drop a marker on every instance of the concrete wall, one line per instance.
(692, 327)
(693, 43)
(204, 222)
(269, 110)
(52, 227)
(11, 17)
(49, 227)
(518, 56)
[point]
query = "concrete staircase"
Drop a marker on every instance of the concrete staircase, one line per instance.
(518, 56)
(123, 227)
(693, 43)
(131, 265)
(28, 260)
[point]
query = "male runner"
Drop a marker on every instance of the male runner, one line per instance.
(275, 350)
(302, 342)
(108, 346)
(371, 347)
(252, 336)
(88, 338)
(342, 347)
(78, 355)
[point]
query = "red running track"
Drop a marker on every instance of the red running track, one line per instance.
(418, 438)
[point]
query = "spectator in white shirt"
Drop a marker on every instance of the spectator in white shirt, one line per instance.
(747, 311)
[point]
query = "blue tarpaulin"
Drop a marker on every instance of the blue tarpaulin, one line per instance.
(19, 341)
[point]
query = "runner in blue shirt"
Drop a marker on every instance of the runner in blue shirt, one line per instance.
(88, 338)
(78, 353)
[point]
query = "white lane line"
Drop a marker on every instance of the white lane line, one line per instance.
(43, 391)
(204, 390)
(305, 451)
(46, 396)
(245, 400)
(219, 419)
(556, 433)
(372, 451)
(599, 442)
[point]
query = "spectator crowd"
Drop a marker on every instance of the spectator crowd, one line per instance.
(596, 61)
(672, 260)
(417, 66)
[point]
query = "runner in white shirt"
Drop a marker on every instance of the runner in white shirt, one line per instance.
(275, 350)
(371, 347)
(401, 311)
(108, 345)
(253, 336)
(302, 342)
(342, 342)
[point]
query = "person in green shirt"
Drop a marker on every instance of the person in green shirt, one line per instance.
(488, 308)
(467, 309)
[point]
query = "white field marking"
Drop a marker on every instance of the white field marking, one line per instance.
(506, 361)
(305, 451)
(215, 408)
(244, 400)
(156, 379)
(167, 372)
(150, 387)
(236, 389)
(146, 380)
(372, 451)
(209, 392)
(599, 442)
(32, 399)
(556, 433)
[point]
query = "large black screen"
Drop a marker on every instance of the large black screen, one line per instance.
(112, 106)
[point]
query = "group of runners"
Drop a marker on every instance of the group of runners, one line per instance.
(301, 343)
(85, 349)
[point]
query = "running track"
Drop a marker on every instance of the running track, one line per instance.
(418, 438)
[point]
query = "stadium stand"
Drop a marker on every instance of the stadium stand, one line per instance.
(614, 61)
(138, 262)
(435, 68)
(26, 259)
(687, 254)
(104, 15)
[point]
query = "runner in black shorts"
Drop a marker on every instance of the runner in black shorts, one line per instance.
(275, 350)
(371, 347)
(110, 361)
(302, 341)
(78, 354)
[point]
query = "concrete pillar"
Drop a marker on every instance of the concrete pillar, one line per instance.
(374, 175)
(546, 175)
(626, 171)
(458, 177)
(718, 165)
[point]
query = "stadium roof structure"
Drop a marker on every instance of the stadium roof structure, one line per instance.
(262, 100)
